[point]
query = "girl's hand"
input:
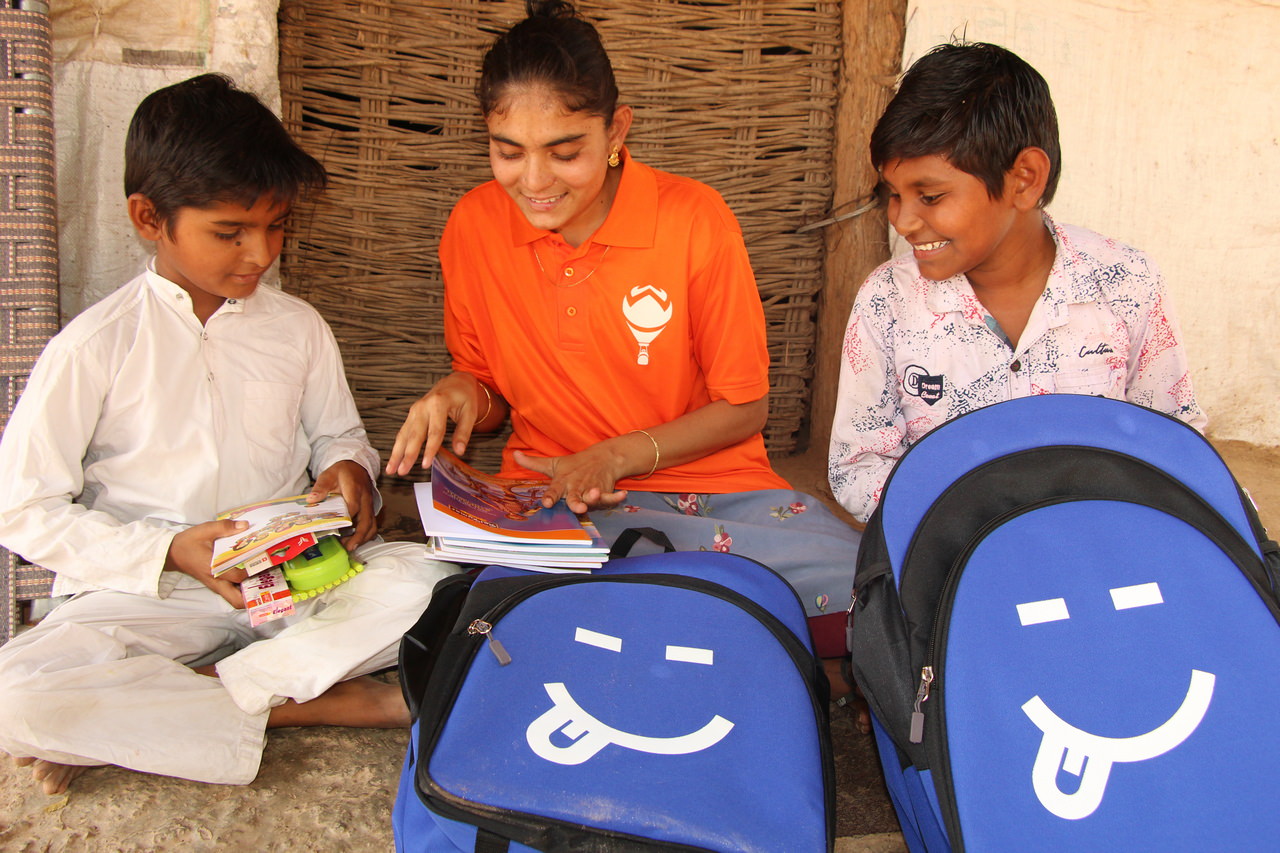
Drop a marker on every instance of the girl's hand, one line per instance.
(585, 480)
(588, 479)
(459, 397)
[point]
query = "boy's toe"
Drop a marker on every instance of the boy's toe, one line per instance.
(55, 778)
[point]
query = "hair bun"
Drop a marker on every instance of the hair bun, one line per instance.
(550, 9)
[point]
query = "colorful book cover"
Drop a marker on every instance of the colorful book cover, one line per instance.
(462, 502)
(273, 522)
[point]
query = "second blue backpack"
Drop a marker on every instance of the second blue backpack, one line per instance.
(1066, 626)
(664, 702)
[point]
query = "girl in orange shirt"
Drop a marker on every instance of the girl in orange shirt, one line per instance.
(611, 310)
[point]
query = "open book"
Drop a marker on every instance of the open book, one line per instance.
(474, 517)
(279, 530)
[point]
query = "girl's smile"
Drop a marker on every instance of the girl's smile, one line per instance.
(553, 163)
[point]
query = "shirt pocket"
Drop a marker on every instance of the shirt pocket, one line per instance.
(1098, 381)
(921, 416)
(271, 424)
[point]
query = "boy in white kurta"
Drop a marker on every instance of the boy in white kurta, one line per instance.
(189, 391)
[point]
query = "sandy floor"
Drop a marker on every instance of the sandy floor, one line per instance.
(332, 789)
(319, 790)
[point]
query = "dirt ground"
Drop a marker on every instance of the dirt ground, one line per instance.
(330, 789)
(321, 790)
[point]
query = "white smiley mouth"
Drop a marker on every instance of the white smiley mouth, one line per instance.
(1089, 756)
(929, 247)
(590, 735)
(545, 201)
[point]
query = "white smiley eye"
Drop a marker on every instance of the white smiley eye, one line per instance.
(1139, 595)
(687, 654)
(600, 641)
(1122, 597)
(1049, 610)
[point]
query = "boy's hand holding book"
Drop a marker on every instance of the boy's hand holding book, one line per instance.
(191, 551)
(284, 549)
(351, 480)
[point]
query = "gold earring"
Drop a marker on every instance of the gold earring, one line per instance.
(614, 160)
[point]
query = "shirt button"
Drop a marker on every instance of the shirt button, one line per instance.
(231, 301)
(1016, 366)
(571, 311)
(568, 272)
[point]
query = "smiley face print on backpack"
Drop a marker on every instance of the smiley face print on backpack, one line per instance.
(635, 700)
(1103, 660)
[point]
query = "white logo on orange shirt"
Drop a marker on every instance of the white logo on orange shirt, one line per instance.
(647, 311)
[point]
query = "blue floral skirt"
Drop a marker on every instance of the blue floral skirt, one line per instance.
(791, 532)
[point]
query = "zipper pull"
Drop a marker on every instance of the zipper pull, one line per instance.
(499, 651)
(848, 621)
(922, 695)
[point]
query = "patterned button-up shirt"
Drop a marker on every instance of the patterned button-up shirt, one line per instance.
(918, 352)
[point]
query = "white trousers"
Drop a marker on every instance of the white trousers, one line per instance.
(106, 677)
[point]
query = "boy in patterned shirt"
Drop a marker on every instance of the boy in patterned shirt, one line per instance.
(995, 300)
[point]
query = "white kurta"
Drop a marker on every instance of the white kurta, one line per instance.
(138, 422)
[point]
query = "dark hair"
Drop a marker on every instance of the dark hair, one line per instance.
(976, 104)
(203, 141)
(553, 47)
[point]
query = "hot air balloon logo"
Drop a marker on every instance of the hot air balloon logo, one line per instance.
(647, 311)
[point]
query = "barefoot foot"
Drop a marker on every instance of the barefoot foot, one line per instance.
(833, 668)
(54, 778)
(846, 693)
(863, 723)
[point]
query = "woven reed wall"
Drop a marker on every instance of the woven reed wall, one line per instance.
(28, 241)
(739, 94)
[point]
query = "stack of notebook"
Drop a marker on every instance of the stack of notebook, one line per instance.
(472, 517)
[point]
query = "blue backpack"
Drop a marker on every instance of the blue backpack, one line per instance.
(664, 702)
(1066, 626)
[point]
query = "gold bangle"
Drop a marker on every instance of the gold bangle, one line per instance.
(657, 454)
(488, 399)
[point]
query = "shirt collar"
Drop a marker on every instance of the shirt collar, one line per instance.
(1058, 290)
(1075, 274)
(173, 295)
(632, 219)
(1061, 290)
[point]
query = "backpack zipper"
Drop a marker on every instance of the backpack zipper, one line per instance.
(485, 629)
(917, 713)
(931, 670)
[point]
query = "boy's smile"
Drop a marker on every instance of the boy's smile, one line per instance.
(217, 252)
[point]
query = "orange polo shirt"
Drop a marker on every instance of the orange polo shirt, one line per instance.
(653, 317)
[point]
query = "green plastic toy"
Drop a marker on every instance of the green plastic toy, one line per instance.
(321, 567)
